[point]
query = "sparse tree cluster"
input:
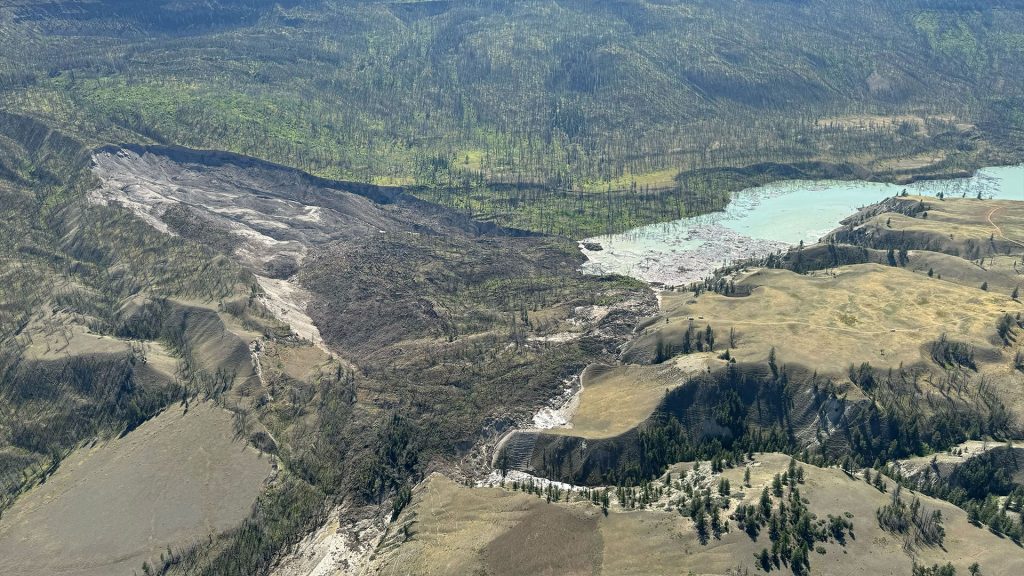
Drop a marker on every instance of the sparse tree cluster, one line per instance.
(918, 525)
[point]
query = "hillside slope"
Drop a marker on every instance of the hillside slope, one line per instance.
(449, 528)
(563, 116)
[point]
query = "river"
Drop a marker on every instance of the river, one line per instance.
(761, 220)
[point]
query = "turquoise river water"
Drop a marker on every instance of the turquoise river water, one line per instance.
(759, 221)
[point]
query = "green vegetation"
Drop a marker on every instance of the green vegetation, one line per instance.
(935, 570)
(619, 114)
(947, 352)
(694, 340)
(793, 533)
(984, 486)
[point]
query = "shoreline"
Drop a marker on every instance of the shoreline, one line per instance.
(687, 250)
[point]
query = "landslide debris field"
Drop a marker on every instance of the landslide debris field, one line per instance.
(266, 216)
(293, 288)
(880, 343)
(355, 335)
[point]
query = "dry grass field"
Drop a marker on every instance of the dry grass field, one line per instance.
(862, 313)
(458, 530)
(615, 399)
(964, 240)
(1002, 273)
(969, 242)
(453, 529)
(960, 221)
(177, 478)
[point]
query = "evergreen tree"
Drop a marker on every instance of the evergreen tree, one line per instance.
(765, 504)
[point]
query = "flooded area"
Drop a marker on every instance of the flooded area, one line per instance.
(762, 220)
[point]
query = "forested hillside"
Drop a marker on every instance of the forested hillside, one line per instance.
(589, 110)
